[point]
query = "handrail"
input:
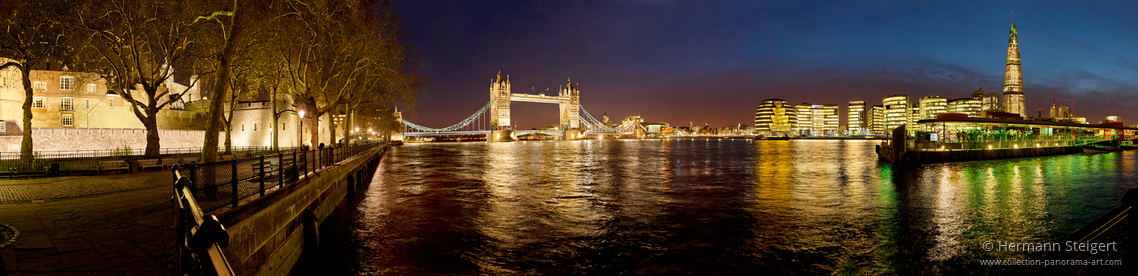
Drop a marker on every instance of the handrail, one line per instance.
(202, 237)
(230, 182)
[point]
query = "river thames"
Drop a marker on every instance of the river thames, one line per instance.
(705, 206)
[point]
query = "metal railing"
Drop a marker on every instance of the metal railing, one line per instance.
(199, 239)
(123, 152)
(227, 183)
(956, 145)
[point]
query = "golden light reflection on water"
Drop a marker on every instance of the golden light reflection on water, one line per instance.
(674, 207)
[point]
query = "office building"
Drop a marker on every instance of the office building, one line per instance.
(857, 120)
(775, 117)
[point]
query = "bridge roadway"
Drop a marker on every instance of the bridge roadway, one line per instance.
(518, 132)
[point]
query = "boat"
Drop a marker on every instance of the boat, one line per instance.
(1128, 145)
(1099, 149)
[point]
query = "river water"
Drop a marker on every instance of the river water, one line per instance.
(704, 206)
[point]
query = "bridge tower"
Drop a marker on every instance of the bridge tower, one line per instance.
(570, 111)
(500, 111)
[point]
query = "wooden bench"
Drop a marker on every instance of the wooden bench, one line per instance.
(83, 167)
(169, 162)
(115, 165)
(8, 169)
(144, 164)
(31, 169)
(190, 160)
(268, 166)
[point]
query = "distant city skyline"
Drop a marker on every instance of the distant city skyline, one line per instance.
(680, 62)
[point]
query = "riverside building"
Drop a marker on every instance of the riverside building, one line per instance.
(775, 117)
(858, 119)
(877, 119)
(967, 106)
(896, 111)
(931, 106)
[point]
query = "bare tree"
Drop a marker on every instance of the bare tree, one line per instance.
(136, 44)
(335, 49)
(32, 35)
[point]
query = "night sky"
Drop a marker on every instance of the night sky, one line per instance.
(713, 62)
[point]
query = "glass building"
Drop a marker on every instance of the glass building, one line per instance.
(817, 119)
(775, 117)
(1013, 78)
(877, 119)
(896, 111)
(931, 106)
(857, 121)
(967, 106)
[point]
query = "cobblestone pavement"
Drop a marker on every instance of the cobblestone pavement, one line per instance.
(55, 188)
(121, 233)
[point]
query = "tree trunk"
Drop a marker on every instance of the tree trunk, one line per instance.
(276, 122)
(229, 127)
(221, 86)
(348, 122)
(228, 140)
(332, 126)
(315, 126)
(153, 146)
(26, 143)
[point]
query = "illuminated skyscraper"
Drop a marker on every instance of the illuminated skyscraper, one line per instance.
(1013, 78)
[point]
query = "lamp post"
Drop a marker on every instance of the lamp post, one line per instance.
(300, 130)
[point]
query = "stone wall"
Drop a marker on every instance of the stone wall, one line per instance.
(67, 139)
(266, 237)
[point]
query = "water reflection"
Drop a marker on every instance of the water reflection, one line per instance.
(706, 206)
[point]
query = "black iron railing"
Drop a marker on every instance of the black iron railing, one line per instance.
(227, 183)
(200, 239)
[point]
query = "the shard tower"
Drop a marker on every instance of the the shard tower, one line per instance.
(1013, 78)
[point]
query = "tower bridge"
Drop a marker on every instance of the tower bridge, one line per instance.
(494, 118)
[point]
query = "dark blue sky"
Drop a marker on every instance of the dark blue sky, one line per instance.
(712, 62)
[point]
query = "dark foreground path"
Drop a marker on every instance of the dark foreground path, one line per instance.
(113, 225)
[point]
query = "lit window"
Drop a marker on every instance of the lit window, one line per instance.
(38, 102)
(91, 88)
(66, 103)
(87, 103)
(66, 83)
(39, 85)
(68, 119)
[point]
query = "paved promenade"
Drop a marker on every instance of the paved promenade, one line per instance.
(84, 225)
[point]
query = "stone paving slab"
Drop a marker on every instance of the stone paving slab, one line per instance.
(64, 187)
(121, 228)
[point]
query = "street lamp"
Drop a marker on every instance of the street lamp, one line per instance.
(300, 130)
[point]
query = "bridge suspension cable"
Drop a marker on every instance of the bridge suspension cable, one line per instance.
(474, 117)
